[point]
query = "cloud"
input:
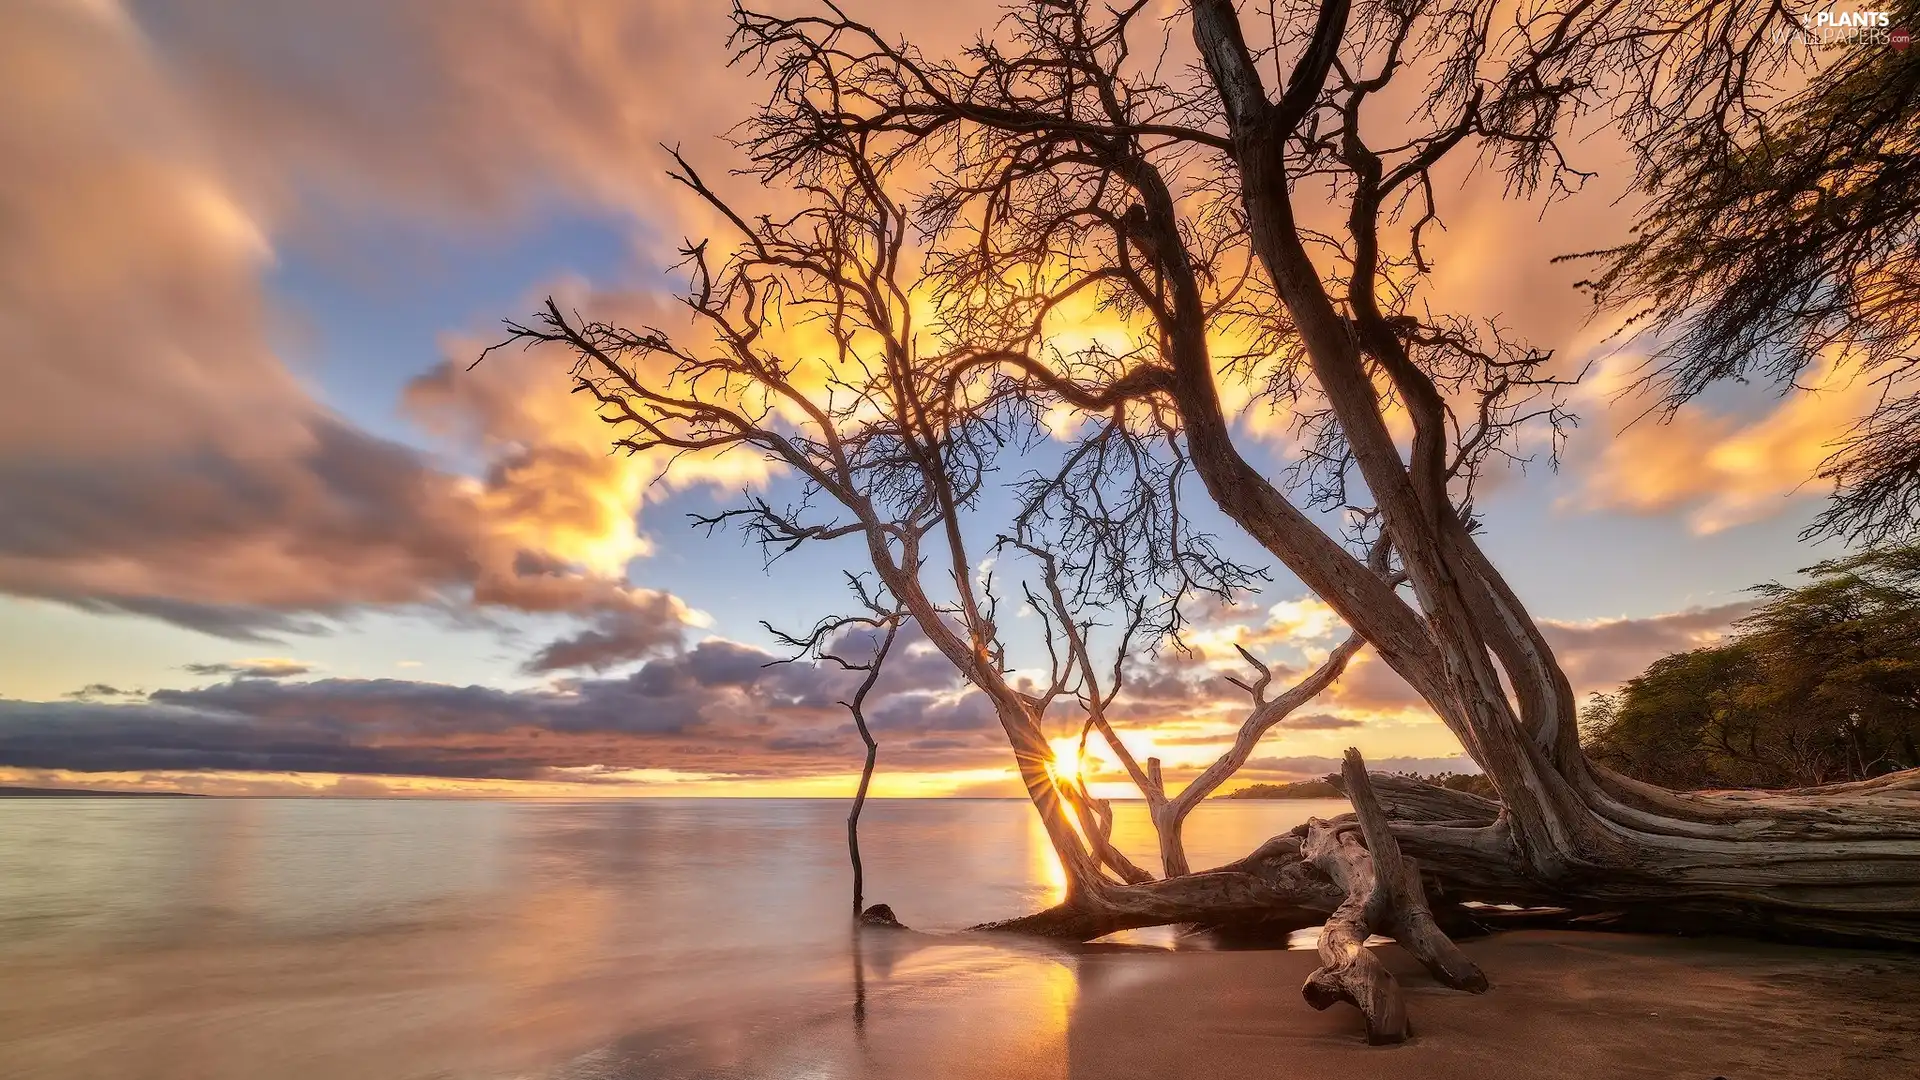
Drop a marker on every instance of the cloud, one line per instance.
(647, 624)
(1596, 654)
(1724, 469)
(158, 457)
(264, 668)
(1308, 618)
(1302, 629)
(481, 109)
(96, 691)
(1323, 722)
(717, 708)
(969, 711)
(1602, 653)
(1369, 684)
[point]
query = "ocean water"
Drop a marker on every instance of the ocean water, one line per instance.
(268, 939)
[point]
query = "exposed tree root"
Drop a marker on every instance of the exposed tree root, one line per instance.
(1805, 865)
(1273, 886)
(1348, 971)
(1839, 863)
(1384, 896)
(1789, 864)
(880, 915)
(1350, 869)
(1816, 865)
(1703, 872)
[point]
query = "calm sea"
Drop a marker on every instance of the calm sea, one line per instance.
(272, 939)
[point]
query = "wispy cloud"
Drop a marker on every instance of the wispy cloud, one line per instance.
(271, 667)
(1723, 469)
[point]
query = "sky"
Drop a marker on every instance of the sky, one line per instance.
(263, 532)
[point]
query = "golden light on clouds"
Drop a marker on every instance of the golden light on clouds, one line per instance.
(1721, 470)
(1306, 626)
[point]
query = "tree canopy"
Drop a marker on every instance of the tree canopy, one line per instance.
(1820, 684)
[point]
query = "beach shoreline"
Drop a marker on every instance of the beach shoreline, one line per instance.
(234, 939)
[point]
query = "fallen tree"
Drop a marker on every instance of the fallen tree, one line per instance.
(1385, 896)
(1062, 167)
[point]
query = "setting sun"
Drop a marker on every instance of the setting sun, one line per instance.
(1067, 764)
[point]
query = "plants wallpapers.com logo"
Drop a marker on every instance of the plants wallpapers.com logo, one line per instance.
(1829, 29)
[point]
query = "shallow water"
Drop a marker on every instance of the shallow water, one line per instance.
(250, 938)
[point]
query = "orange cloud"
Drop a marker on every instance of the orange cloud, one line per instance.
(157, 455)
(1722, 470)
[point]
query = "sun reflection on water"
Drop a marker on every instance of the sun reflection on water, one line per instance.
(1045, 862)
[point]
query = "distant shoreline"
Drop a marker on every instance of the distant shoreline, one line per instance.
(1298, 789)
(82, 793)
(1472, 783)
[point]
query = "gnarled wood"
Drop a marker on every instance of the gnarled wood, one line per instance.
(1840, 863)
(1348, 971)
(1274, 887)
(893, 448)
(1408, 920)
(1408, 800)
(1384, 896)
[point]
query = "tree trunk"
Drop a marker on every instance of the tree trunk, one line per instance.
(1348, 971)
(1274, 887)
(853, 820)
(1169, 813)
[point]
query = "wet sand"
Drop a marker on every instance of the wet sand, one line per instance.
(1563, 1004)
(922, 1007)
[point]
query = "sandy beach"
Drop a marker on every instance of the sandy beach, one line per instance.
(1563, 1004)
(927, 1008)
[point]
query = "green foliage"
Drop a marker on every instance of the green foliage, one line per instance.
(1819, 684)
(1297, 789)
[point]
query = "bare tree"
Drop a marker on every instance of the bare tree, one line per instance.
(1060, 161)
(887, 458)
(1055, 160)
(826, 643)
(1168, 812)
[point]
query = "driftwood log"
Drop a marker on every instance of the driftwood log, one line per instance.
(1347, 874)
(1384, 896)
(1353, 876)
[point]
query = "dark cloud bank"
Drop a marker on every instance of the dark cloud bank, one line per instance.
(717, 708)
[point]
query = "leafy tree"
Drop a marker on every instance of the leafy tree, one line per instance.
(1820, 684)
